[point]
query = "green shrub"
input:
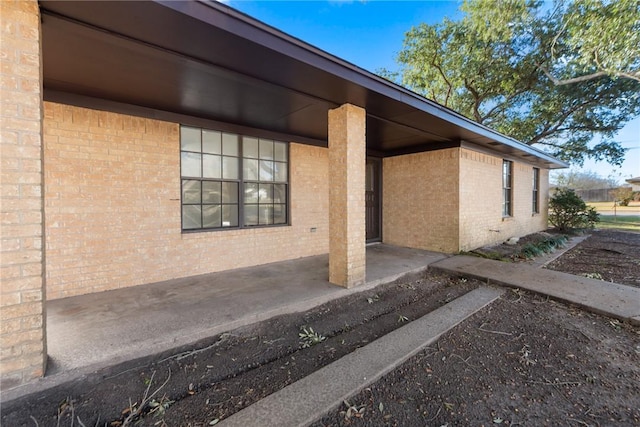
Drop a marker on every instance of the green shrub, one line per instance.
(548, 245)
(567, 211)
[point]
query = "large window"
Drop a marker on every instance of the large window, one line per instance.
(231, 181)
(507, 190)
(536, 191)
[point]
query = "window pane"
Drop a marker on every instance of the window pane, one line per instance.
(250, 147)
(230, 167)
(251, 215)
(266, 149)
(211, 142)
(211, 216)
(211, 192)
(211, 166)
(280, 171)
(250, 169)
(251, 193)
(280, 151)
(266, 170)
(229, 144)
(229, 192)
(191, 217)
(218, 174)
(266, 214)
(280, 214)
(190, 191)
(190, 163)
(229, 215)
(266, 193)
(280, 193)
(189, 139)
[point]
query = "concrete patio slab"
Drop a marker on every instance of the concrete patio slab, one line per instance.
(328, 387)
(611, 299)
(89, 332)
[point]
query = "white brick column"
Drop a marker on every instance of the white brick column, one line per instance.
(347, 157)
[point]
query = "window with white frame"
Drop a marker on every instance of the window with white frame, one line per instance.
(507, 188)
(536, 191)
(232, 181)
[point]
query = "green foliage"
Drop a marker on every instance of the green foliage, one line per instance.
(548, 245)
(623, 195)
(604, 36)
(309, 337)
(506, 66)
(567, 211)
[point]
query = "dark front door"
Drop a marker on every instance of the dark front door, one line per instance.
(372, 199)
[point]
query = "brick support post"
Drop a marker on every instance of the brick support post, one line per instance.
(23, 351)
(347, 157)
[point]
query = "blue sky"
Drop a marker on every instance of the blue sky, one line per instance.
(370, 33)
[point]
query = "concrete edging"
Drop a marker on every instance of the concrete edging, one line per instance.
(309, 398)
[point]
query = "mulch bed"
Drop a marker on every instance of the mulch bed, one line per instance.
(524, 360)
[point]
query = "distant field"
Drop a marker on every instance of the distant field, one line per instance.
(626, 222)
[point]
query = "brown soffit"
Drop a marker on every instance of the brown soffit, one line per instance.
(204, 60)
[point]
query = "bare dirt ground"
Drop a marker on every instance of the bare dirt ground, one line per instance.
(524, 360)
(608, 255)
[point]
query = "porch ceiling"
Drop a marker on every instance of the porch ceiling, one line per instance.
(206, 60)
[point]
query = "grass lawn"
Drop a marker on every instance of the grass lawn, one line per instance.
(608, 207)
(627, 222)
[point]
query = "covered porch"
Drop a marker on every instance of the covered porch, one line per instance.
(88, 332)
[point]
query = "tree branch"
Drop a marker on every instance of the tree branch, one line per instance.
(477, 99)
(444, 77)
(552, 128)
(580, 79)
(632, 76)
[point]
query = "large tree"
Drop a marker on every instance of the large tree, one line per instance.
(558, 75)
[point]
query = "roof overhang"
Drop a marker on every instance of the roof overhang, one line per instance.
(205, 60)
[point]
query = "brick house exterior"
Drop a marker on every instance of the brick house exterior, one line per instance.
(97, 192)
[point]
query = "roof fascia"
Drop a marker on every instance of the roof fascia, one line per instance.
(258, 32)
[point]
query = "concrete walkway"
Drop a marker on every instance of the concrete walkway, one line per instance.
(611, 299)
(328, 387)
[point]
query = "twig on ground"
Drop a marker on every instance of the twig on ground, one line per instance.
(493, 332)
(436, 415)
(518, 337)
(555, 383)
(186, 354)
(466, 361)
(579, 331)
(578, 421)
(146, 398)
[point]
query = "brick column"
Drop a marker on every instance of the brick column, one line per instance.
(23, 351)
(347, 157)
